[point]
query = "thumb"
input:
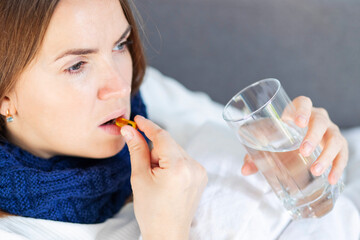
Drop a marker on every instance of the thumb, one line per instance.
(138, 148)
(249, 167)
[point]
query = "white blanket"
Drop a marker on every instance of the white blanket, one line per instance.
(234, 206)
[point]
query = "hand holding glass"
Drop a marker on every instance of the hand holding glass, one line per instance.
(263, 118)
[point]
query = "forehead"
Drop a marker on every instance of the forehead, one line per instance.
(84, 23)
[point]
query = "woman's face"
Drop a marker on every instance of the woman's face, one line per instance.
(80, 79)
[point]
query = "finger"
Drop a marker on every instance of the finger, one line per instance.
(338, 167)
(331, 149)
(318, 125)
(303, 106)
(249, 167)
(139, 151)
(155, 133)
(154, 158)
(167, 151)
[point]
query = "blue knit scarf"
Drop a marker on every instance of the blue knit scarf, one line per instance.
(63, 188)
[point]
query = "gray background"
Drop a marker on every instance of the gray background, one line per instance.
(221, 46)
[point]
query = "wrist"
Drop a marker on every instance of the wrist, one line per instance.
(167, 234)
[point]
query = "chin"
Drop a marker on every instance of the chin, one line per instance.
(105, 151)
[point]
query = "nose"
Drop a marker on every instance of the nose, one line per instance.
(115, 83)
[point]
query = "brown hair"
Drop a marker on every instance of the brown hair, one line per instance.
(22, 29)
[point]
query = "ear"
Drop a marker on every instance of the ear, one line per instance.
(7, 104)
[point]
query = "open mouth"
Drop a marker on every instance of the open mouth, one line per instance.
(110, 122)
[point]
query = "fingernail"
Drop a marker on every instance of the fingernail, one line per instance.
(318, 168)
(127, 134)
(302, 119)
(307, 148)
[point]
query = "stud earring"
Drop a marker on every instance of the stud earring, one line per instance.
(9, 117)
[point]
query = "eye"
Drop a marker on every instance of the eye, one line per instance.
(76, 68)
(122, 46)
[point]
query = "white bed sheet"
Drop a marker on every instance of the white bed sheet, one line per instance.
(234, 206)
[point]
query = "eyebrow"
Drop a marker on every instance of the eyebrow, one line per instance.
(86, 51)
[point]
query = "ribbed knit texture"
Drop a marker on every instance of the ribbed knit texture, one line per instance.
(63, 188)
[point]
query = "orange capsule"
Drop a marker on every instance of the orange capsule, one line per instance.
(120, 122)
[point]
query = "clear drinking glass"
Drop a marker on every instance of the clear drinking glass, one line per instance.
(262, 116)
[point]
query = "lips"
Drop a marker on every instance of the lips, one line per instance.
(108, 123)
(111, 129)
(110, 119)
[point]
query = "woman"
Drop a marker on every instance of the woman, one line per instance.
(68, 69)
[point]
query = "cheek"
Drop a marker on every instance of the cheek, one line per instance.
(130, 67)
(124, 66)
(49, 105)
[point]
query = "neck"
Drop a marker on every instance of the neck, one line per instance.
(36, 151)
